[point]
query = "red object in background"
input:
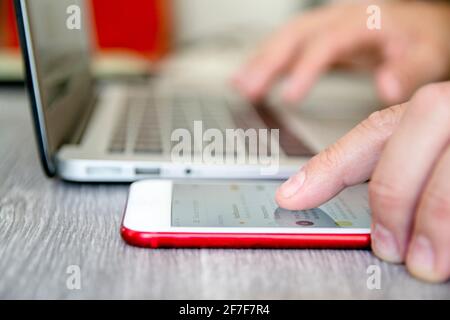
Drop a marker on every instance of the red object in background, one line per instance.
(142, 26)
(11, 37)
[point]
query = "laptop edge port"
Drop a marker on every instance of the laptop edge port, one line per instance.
(147, 171)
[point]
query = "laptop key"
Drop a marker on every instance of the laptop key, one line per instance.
(119, 148)
(148, 149)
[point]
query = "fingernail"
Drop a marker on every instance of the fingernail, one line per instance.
(255, 80)
(385, 245)
(293, 185)
(392, 87)
(421, 258)
(288, 94)
(237, 78)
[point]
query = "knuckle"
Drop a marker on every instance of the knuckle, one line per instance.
(385, 196)
(383, 118)
(331, 157)
(432, 96)
(382, 123)
(437, 204)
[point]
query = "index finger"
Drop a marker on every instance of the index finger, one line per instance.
(349, 161)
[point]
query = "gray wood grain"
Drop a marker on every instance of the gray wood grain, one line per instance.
(47, 225)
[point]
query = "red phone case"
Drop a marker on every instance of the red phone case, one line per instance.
(244, 240)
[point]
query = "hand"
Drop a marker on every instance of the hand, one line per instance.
(405, 151)
(410, 50)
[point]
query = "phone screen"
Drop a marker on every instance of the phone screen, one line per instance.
(225, 205)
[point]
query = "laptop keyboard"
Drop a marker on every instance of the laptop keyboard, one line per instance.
(139, 128)
(212, 112)
(148, 138)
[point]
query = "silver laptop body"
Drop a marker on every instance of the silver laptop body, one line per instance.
(123, 132)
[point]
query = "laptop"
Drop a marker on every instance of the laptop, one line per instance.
(119, 132)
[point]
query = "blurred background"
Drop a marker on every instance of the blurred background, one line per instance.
(139, 32)
(185, 41)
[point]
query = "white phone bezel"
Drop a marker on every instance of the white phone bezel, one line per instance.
(155, 196)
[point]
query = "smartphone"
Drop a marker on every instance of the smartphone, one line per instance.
(162, 213)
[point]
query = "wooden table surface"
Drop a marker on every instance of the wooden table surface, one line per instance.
(47, 225)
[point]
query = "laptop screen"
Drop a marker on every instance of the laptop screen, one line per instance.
(55, 39)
